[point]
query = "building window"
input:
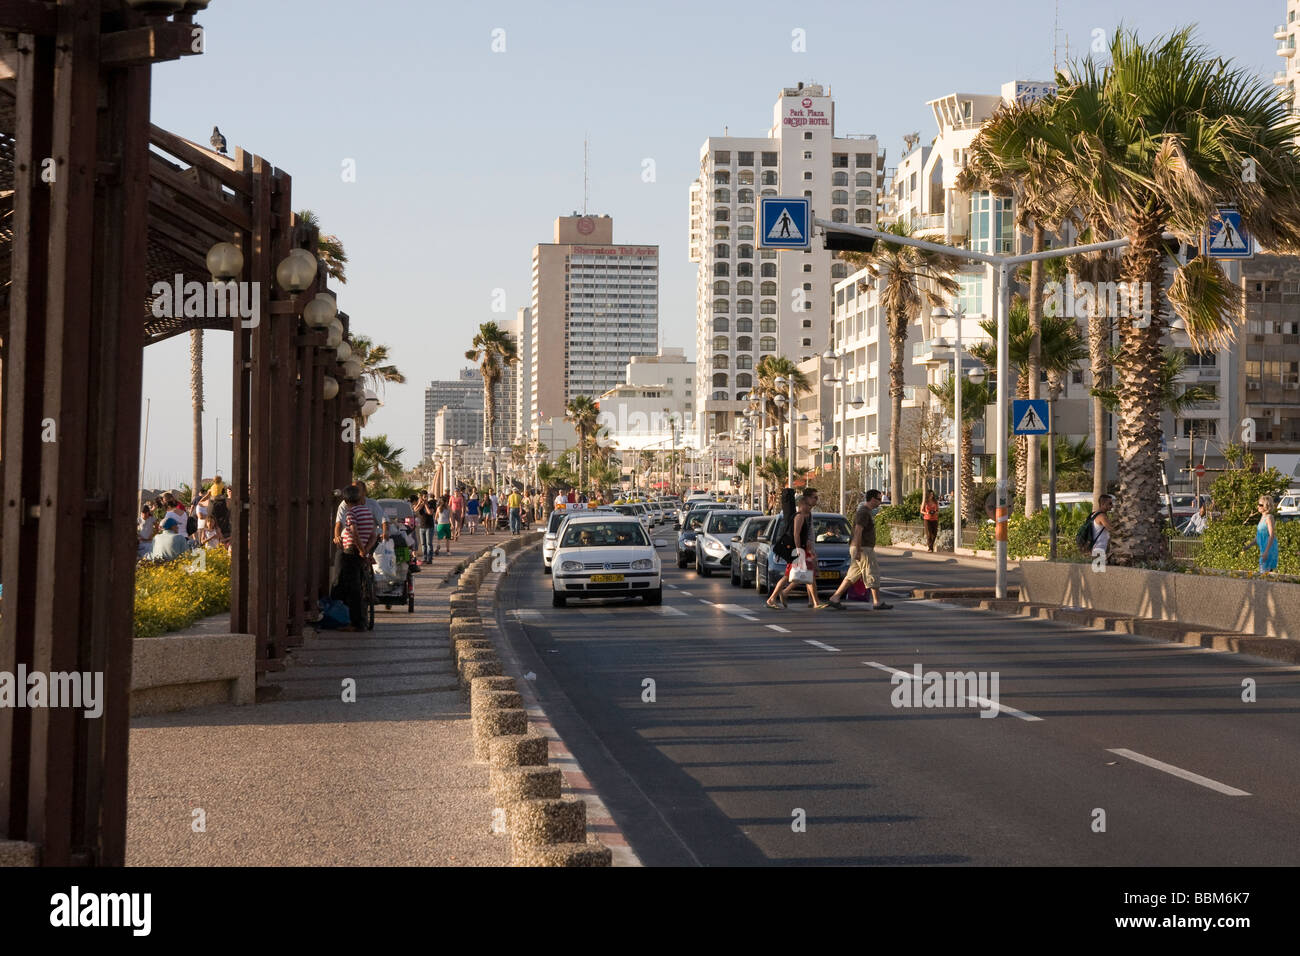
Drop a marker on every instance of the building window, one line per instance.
(840, 160)
(744, 380)
(745, 177)
(807, 323)
(722, 178)
(744, 361)
(744, 307)
(745, 158)
(863, 179)
(769, 177)
(769, 159)
(744, 268)
(767, 325)
(721, 232)
(745, 232)
(720, 305)
(721, 287)
(720, 379)
(721, 269)
(745, 214)
(807, 154)
(720, 343)
(720, 324)
(807, 194)
(744, 325)
(721, 214)
(862, 197)
(808, 342)
(745, 195)
(744, 344)
(745, 287)
(807, 175)
(839, 270)
(722, 195)
(767, 343)
(721, 361)
(722, 157)
(839, 215)
(807, 267)
(768, 307)
(862, 217)
(840, 179)
(807, 134)
(767, 288)
(769, 269)
(722, 251)
(744, 252)
(862, 159)
(1076, 377)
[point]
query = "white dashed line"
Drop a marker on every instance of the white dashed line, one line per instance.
(1179, 772)
(778, 628)
(703, 601)
(665, 610)
(686, 593)
(673, 586)
(825, 647)
(981, 701)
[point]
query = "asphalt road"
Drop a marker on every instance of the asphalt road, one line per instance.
(764, 718)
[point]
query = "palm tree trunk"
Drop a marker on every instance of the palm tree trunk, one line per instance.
(1099, 361)
(974, 509)
(1138, 534)
(897, 343)
(1033, 493)
(1022, 449)
(196, 401)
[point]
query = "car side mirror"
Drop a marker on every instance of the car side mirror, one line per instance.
(735, 537)
(660, 543)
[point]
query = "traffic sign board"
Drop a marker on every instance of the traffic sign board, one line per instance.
(784, 223)
(1225, 237)
(1030, 416)
(1200, 471)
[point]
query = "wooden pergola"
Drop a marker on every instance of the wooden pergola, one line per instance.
(96, 206)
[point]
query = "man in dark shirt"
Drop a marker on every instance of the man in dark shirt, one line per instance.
(862, 554)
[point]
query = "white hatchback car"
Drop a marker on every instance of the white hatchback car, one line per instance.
(605, 555)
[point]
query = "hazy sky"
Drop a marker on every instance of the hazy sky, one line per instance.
(464, 156)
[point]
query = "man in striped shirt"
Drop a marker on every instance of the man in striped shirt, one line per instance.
(355, 535)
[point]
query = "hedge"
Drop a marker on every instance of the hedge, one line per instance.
(174, 594)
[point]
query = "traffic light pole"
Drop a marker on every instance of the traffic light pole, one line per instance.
(1002, 266)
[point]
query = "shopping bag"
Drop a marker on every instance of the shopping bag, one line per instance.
(386, 559)
(800, 573)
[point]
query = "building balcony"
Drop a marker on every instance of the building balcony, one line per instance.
(1279, 31)
(1286, 49)
(1279, 78)
(930, 222)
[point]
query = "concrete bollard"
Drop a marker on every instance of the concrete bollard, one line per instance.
(482, 710)
(483, 684)
(564, 854)
(459, 649)
(462, 630)
(511, 722)
(470, 670)
(541, 822)
(530, 750)
(515, 784)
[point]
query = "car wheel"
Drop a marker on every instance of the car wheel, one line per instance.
(656, 596)
(546, 569)
(735, 581)
(681, 562)
(557, 599)
(701, 568)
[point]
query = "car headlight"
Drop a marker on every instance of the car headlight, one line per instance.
(571, 566)
(713, 546)
(642, 564)
(751, 556)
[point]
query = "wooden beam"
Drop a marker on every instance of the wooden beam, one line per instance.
(222, 167)
(28, 16)
(155, 43)
(189, 191)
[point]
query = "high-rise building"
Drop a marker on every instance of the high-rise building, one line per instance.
(464, 391)
(753, 303)
(594, 306)
(523, 377)
(1285, 34)
(657, 397)
(507, 391)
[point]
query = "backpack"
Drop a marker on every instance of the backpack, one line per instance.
(1086, 535)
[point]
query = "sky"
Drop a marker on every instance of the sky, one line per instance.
(464, 155)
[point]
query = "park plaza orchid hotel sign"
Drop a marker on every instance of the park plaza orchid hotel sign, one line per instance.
(806, 111)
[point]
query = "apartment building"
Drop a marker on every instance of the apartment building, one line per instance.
(594, 306)
(751, 302)
(464, 391)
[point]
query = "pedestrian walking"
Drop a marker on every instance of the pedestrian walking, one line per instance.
(424, 527)
(1266, 536)
(442, 525)
(1099, 526)
(930, 515)
(457, 514)
(803, 542)
(471, 513)
(490, 519)
(355, 535)
(862, 555)
(514, 504)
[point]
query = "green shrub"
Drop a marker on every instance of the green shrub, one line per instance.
(1224, 548)
(1029, 537)
(173, 595)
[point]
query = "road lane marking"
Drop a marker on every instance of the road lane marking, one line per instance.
(686, 593)
(778, 627)
(526, 614)
(673, 586)
(703, 601)
(825, 647)
(982, 701)
(1179, 772)
(667, 611)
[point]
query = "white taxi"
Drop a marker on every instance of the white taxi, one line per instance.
(605, 555)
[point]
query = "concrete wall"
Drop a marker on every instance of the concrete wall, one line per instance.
(1242, 605)
(178, 672)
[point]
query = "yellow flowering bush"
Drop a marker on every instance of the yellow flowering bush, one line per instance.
(175, 594)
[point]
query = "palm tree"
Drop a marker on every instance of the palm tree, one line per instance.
(974, 399)
(1154, 141)
(908, 277)
(329, 248)
(1175, 397)
(770, 368)
(582, 412)
(377, 462)
(494, 350)
(375, 368)
(1062, 348)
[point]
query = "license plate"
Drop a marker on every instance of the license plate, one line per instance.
(828, 574)
(606, 578)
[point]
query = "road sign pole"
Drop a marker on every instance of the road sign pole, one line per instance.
(1051, 480)
(1004, 382)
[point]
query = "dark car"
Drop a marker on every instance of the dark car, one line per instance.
(713, 540)
(831, 536)
(692, 521)
(744, 548)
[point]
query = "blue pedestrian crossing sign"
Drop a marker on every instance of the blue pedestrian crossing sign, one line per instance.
(784, 223)
(1225, 237)
(1030, 416)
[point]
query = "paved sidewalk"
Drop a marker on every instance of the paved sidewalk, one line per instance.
(303, 778)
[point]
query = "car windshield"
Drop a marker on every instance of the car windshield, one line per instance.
(604, 534)
(724, 523)
(695, 520)
(831, 530)
(754, 528)
(556, 518)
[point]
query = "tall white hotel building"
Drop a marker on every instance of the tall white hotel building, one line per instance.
(750, 302)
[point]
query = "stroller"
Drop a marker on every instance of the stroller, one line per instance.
(392, 571)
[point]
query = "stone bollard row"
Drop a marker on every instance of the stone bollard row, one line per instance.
(484, 710)
(552, 832)
(461, 648)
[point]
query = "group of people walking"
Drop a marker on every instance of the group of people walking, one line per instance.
(441, 519)
(169, 527)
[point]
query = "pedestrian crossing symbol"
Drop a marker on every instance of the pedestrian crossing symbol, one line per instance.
(1226, 239)
(1030, 416)
(785, 223)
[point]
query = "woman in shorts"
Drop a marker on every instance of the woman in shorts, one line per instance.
(442, 526)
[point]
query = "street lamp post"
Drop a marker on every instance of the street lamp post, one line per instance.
(842, 379)
(958, 313)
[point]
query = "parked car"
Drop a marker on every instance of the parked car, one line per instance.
(744, 548)
(698, 506)
(713, 540)
(831, 537)
(1289, 504)
(602, 555)
(691, 525)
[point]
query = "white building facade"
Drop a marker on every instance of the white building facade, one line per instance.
(753, 303)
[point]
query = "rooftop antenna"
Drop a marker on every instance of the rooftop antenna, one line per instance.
(586, 167)
(1056, 38)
